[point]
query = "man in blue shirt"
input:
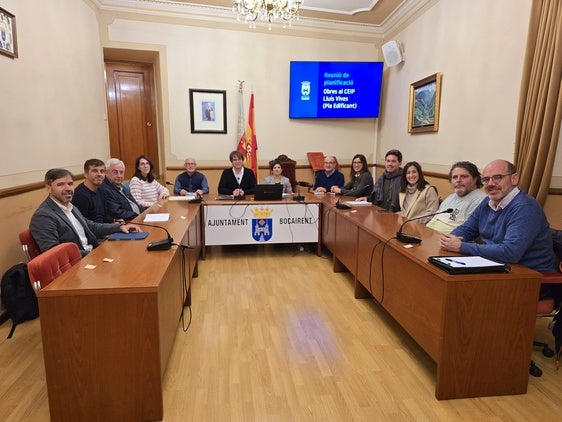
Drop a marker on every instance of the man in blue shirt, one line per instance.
(191, 181)
(511, 225)
(331, 176)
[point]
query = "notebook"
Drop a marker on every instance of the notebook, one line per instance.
(128, 236)
(468, 264)
(264, 192)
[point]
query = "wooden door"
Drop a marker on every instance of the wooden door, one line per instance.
(131, 113)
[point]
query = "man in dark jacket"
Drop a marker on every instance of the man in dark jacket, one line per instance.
(58, 221)
(387, 187)
(119, 203)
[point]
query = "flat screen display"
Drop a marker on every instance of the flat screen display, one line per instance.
(335, 90)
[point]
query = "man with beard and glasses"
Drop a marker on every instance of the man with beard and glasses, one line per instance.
(58, 221)
(509, 227)
(87, 197)
(465, 180)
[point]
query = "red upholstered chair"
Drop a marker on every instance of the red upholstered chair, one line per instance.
(316, 160)
(28, 244)
(547, 307)
(50, 264)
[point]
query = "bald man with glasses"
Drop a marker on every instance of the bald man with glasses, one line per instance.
(329, 177)
(510, 224)
(191, 181)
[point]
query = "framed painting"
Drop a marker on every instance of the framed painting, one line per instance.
(207, 111)
(425, 96)
(8, 36)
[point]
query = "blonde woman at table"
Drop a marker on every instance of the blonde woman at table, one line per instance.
(417, 197)
(144, 187)
(276, 178)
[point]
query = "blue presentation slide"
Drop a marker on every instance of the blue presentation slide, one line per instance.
(335, 89)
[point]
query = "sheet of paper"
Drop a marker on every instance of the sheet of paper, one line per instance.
(157, 217)
(182, 198)
(468, 261)
(358, 203)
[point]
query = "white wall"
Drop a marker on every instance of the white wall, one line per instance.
(210, 58)
(52, 95)
(478, 46)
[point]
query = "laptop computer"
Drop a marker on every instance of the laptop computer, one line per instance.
(264, 192)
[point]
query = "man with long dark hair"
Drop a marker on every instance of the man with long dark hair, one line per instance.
(465, 180)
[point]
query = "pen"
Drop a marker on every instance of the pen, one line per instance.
(456, 262)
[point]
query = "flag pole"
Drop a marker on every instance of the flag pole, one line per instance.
(241, 119)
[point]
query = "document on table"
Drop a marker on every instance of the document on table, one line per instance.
(128, 236)
(187, 197)
(358, 203)
(157, 217)
(468, 264)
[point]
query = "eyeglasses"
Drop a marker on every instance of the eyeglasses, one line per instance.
(496, 178)
(357, 162)
(189, 164)
(330, 162)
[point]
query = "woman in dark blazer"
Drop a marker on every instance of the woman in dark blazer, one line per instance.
(238, 180)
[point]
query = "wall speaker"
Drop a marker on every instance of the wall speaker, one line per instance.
(392, 52)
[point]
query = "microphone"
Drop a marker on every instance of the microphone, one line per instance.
(298, 197)
(197, 200)
(342, 206)
(407, 238)
(158, 245)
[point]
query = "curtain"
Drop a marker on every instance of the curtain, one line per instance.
(540, 104)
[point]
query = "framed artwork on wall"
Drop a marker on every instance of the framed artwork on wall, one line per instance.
(8, 36)
(207, 111)
(425, 96)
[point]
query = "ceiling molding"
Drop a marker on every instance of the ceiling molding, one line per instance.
(305, 26)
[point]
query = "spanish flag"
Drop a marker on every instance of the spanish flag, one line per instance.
(248, 144)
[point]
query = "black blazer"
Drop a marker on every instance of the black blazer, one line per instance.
(50, 226)
(228, 182)
(116, 205)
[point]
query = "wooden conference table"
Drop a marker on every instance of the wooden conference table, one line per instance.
(108, 331)
(478, 328)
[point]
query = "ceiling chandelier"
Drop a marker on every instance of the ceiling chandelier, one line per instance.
(267, 11)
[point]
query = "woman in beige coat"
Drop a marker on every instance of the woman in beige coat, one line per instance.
(417, 196)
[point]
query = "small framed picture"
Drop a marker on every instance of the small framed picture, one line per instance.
(207, 111)
(8, 36)
(425, 96)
